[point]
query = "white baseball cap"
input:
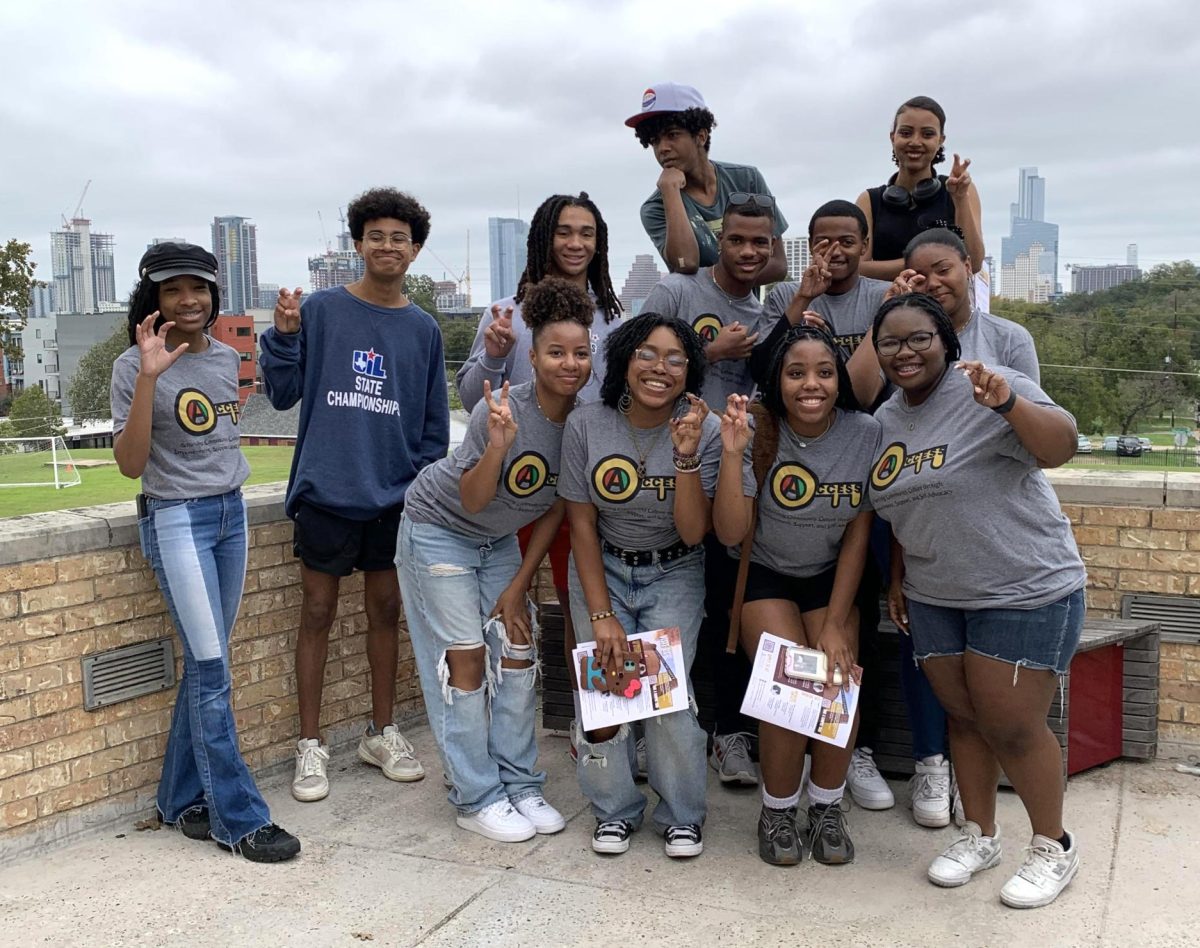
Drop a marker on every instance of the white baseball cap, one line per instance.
(667, 97)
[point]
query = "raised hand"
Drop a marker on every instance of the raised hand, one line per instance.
(287, 311)
(502, 427)
(990, 388)
(152, 347)
(736, 432)
(732, 342)
(958, 182)
(909, 281)
(671, 179)
(817, 276)
(685, 431)
(499, 338)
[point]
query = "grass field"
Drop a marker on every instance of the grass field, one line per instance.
(104, 485)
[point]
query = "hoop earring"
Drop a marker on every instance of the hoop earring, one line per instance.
(625, 402)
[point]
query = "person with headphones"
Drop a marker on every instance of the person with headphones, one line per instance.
(916, 198)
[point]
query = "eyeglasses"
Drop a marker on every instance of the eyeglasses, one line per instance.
(377, 239)
(738, 198)
(674, 363)
(917, 342)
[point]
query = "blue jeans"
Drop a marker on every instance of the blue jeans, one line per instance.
(450, 583)
(197, 549)
(646, 598)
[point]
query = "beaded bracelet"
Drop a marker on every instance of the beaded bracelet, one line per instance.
(686, 463)
(606, 614)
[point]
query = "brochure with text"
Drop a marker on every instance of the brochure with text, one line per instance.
(653, 681)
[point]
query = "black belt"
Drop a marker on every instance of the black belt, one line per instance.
(649, 557)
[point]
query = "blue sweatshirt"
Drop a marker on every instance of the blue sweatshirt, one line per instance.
(374, 409)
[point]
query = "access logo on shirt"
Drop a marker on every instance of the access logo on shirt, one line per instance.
(368, 362)
(851, 341)
(616, 480)
(794, 487)
(896, 458)
(528, 474)
(707, 326)
(197, 414)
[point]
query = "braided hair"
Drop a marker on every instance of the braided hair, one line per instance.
(772, 388)
(620, 346)
(933, 309)
(143, 300)
(540, 250)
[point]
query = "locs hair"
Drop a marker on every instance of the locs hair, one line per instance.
(625, 341)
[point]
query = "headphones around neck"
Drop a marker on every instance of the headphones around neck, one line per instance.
(896, 195)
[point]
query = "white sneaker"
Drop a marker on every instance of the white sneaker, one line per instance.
(970, 853)
(542, 815)
(866, 785)
(498, 821)
(730, 758)
(310, 783)
(1047, 870)
(391, 753)
(929, 791)
(956, 807)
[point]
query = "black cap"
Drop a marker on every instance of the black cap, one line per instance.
(169, 259)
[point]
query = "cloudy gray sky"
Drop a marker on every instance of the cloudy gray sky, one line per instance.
(275, 110)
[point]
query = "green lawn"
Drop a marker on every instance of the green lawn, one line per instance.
(105, 485)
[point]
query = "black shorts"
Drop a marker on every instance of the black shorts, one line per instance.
(808, 593)
(336, 545)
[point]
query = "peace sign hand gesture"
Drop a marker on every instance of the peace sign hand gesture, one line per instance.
(499, 338)
(287, 311)
(502, 427)
(958, 183)
(735, 425)
(990, 387)
(817, 276)
(152, 347)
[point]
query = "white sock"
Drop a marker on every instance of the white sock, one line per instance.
(780, 803)
(819, 796)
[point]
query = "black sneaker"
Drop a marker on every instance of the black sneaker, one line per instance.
(684, 841)
(828, 838)
(271, 843)
(612, 836)
(778, 841)
(194, 822)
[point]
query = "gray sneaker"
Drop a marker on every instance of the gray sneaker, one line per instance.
(391, 753)
(310, 782)
(730, 758)
(778, 840)
(828, 836)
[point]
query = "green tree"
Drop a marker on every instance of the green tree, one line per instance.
(16, 290)
(34, 415)
(419, 289)
(91, 385)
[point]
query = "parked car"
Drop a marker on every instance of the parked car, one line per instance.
(1084, 446)
(1129, 446)
(1147, 444)
(1110, 443)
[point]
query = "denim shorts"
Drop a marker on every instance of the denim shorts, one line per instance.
(1044, 638)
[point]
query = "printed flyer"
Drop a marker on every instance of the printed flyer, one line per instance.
(652, 681)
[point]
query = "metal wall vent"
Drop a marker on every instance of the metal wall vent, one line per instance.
(1173, 613)
(127, 672)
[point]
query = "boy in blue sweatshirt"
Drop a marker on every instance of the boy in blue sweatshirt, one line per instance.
(367, 367)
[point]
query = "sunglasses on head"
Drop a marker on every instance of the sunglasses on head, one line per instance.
(738, 198)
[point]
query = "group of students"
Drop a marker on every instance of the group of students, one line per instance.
(707, 462)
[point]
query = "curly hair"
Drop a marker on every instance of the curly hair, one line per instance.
(539, 251)
(772, 389)
(143, 300)
(692, 121)
(626, 340)
(555, 300)
(378, 203)
(926, 104)
(933, 309)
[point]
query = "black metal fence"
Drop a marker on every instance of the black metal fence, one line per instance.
(1157, 457)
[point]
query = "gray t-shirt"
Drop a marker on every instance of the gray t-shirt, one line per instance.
(980, 524)
(515, 368)
(814, 488)
(194, 442)
(700, 303)
(849, 314)
(996, 341)
(599, 466)
(528, 475)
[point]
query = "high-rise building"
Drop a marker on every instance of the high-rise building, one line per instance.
(507, 239)
(1025, 278)
(1094, 279)
(643, 277)
(1131, 255)
(83, 270)
(798, 255)
(268, 295)
(335, 268)
(41, 301)
(1027, 226)
(235, 245)
(155, 241)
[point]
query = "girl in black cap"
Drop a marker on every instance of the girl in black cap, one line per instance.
(175, 415)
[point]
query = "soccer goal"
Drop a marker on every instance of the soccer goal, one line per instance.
(37, 462)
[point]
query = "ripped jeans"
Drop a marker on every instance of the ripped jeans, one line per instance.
(646, 598)
(450, 582)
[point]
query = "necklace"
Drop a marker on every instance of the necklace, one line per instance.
(637, 445)
(537, 401)
(728, 299)
(807, 441)
(959, 332)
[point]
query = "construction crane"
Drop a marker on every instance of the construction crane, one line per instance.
(324, 236)
(78, 207)
(460, 278)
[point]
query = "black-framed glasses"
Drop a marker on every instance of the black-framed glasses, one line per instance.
(737, 198)
(916, 342)
(673, 362)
